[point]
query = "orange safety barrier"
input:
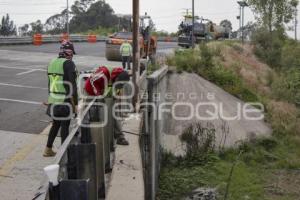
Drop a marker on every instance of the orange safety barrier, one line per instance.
(37, 39)
(92, 38)
(64, 36)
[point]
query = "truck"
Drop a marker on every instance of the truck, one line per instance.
(204, 30)
(147, 42)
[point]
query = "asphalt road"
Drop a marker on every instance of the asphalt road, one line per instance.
(23, 81)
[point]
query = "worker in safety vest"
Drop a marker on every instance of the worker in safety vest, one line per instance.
(126, 53)
(63, 97)
(102, 80)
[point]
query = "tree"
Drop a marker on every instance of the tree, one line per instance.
(98, 14)
(7, 26)
(249, 29)
(226, 23)
(57, 23)
(37, 27)
(24, 29)
(81, 6)
(274, 13)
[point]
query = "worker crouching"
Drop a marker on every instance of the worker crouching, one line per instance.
(100, 82)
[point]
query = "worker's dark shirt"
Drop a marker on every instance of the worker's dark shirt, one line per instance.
(70, 75)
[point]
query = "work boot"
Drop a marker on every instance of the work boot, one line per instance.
(49, 152)
(122, 141)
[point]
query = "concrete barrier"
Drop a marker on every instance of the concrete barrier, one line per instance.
(16, 40)
(152, 128)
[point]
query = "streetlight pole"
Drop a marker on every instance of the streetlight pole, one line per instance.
(136, 49)
(193, 26)
(240, 20)
(68, 28)
(242, 4)
(243, 19)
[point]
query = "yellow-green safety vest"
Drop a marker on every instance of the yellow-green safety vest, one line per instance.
(126, 49)
(57, 91)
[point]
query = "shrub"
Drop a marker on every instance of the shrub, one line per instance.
(287, 86)
(186, 60)
(230, 82)
(206, 56)
(290, 55)
(200, 142)
(284, 117)
(268, 46)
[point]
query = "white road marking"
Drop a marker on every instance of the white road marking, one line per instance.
(27, 72)
(22, 86)
(22, 68)
(21, 101)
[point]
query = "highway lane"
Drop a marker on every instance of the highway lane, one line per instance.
(23, 81)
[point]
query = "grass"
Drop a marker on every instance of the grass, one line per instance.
(268, 168)
(250, 176)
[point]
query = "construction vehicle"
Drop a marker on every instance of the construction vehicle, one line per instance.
(147, 43)
(204, 30)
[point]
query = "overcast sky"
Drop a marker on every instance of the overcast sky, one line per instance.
(166, 14)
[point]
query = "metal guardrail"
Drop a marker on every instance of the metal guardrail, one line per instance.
(85, 156)
(82, 156)
(57, 38)
(151, 130)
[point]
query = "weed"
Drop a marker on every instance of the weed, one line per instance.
(237, 48)
(199, 141)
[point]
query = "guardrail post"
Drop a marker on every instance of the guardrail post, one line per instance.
(74, 189)
(109, 141)
(152, 139)
(97, 136)
(82, 165)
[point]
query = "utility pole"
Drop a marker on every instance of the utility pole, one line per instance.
(193, 26)
(242, 4)
(136, 49)
(68, 28)
(296, 23)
